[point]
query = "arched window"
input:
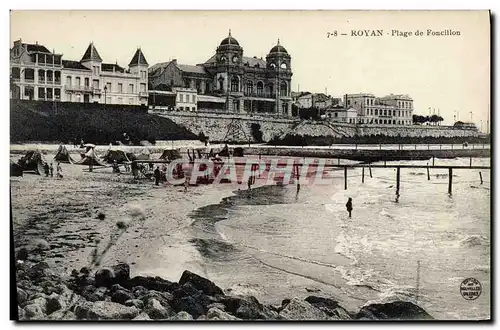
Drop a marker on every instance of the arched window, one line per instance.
(260, 88)
(235, 84)
(272, 66)
(376, 112)
(221, 83)
(283, 88)
(249, 87)
(283, 66)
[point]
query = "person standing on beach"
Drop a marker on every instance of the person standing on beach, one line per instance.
(51, 169)
(59, 171)
(157, 174)
(348, 205)
(46, 169)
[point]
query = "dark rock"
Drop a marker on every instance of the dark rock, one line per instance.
(24, 284)
(217, 305)
(150, 283)
(21, 314)
(101, 292)
(90, 296)
(50, 287)
(104, 277)
(105, 310)
(36, 273)
(40, 301)
(116, 287)
(101, 216)
(187, 289)
(201, 283)
(298, 309)
(329, 306)
(139, 291)
(53, 304)
(22, 254)
(312, 290)
(22, 296)
(135, 302)
(121, 296)
(189, 304)
(181, 316)
(122, 273)
(163, 297)
(232, 303)
(284, 303)
(251, 309)
(397, 310)
(157, 311)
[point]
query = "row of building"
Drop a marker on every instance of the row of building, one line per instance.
(228, 82)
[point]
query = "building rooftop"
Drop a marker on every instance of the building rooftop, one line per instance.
(91, 54)
(36, 48)
(112, 67)
(138, 58)
(74, 65)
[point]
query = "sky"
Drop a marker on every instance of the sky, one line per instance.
(450, 74)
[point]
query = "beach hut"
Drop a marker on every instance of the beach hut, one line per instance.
(115, 155)
(170, 154)
(33, 160)
(90, 158)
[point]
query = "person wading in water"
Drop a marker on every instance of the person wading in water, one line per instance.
(348, 205)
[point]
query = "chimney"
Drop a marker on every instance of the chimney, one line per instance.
(175, 61)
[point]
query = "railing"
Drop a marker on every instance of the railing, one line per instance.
(143, 94)
(29, 80)
(79, 88)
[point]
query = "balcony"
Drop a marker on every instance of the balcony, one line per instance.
(143, 94)
(78, 88)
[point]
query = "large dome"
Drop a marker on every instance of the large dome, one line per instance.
(229, 40)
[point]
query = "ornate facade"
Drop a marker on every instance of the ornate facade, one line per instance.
(248, 84)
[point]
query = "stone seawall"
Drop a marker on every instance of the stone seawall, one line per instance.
(368, 155)
(238, 128)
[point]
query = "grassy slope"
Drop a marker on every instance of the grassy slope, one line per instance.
(39, 121)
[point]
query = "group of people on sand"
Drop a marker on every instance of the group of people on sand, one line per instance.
(49, 170)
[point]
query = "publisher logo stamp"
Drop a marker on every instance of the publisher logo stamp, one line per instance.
(470, 288)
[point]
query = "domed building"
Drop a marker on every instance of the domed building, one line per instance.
(232, 82)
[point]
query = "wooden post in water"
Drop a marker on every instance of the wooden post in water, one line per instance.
(432, 160)
(398, 177)
(370, 168)
(481, 177)
(428, 174)
(363, 175)
(450, 178)
(470, 161)
(345, 177)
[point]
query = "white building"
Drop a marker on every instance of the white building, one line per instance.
(340, 115)
(388, 110)
(38, 74)
(186, 98)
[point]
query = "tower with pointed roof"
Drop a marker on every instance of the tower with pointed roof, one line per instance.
(91, 59)
(279, 63)
(139, 66)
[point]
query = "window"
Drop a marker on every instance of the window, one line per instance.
(131, 88)
(336, 114)
(95, 83)
(96, 70)
(143, 74)
(108, 86)
(376, 112)
(194, 100)
(120, 88)
(234, 84)
(236, 105)
(41, 92)
(57, 93)
(260, 88)
(143, 88)
(181, 98)
(77, 81)
(87, 82)
(249, 87)
(49, 93)
(68, 81)
(348, 102)
(283, 89)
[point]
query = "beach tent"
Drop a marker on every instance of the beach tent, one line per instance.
(141, 156)
(63, 155)
(116, 155)
(170, 154)
(238, 152)
(33, 160)
(90, 158)
(224, 152)
(15, 169)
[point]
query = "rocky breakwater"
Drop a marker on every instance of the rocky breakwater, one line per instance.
(110, 294)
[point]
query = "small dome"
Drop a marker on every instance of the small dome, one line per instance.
(229, 40)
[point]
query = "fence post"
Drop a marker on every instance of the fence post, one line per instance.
(398, 177)
(432, 160)
(370, 168)
(450, 178)
(363, 175)
(428, 173)
(385, 163)
(345, 177)
(481, 177)
(470, 161)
